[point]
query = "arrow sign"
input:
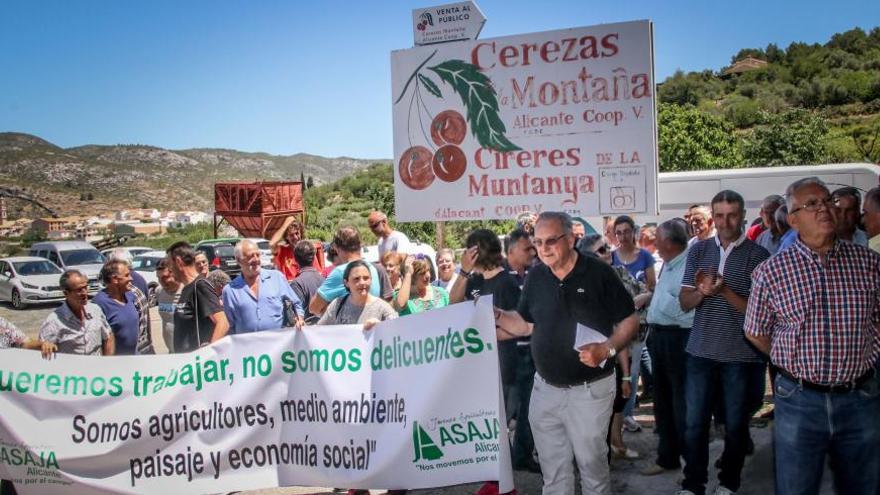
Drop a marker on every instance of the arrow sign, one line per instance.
(450, 22)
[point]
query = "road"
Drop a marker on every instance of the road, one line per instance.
(757, 474)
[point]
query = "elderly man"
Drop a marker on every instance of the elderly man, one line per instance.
(255, 300)
(198, 317)
(770, 237)
(282, 244)
(77, 326)
(815, 309)
(118, 305)
(138, 287)
(871, 218)
(716, 283)
(699, 217)
(389, 239)
(847, 202)
(573, 394)
(670, 328)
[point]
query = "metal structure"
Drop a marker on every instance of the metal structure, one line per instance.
(257, 209)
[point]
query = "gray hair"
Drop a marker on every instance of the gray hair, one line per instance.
(218, 279)
(66, 276)
(240, 245)
(674, 231)
(441, 252)
(111, 268)
(122, 255)
(797, 185)
(562, 217)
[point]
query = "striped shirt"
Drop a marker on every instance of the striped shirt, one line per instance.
(717, 332)
(822, 320)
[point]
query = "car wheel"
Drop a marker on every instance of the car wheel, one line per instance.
(17, 302)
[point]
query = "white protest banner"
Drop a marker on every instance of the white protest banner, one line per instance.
(560, 120)
(414, 403)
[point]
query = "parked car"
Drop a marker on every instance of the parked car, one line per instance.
(79, 255)
(133, 250)
(221, 255)
(145, 264)
(28, 279)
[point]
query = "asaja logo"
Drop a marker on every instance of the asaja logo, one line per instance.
(424, 445)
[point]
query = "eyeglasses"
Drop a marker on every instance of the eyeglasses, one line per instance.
(550, 242)
(376, 224)
(815, 205)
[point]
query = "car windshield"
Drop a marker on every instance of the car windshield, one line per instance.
(42, 267)
(263, 245)
(224, 251)
(145, 263)
(82, 257)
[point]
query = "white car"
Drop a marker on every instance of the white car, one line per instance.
(133, 250)
(145, 264)
(28, 279)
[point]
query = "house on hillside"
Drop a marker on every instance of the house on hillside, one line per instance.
(744, 65)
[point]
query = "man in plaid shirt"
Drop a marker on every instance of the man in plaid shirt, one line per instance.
(815, 310)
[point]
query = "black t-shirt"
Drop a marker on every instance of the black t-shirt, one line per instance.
(306, 285)
(198, 295)
(503, 287)
(591, 294)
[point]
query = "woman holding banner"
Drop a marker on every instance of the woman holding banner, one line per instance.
(358, 305)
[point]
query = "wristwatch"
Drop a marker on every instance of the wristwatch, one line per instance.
(611, 351)
(466, 273)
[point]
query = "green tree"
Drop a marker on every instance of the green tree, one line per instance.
(690, 139)
(795, 137)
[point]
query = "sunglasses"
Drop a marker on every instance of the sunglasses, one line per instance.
(376, 224)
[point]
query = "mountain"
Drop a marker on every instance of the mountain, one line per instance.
(129, 176)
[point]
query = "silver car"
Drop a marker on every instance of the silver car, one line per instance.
(28, 279)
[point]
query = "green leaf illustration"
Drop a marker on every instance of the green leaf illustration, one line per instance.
(478, 96)
(430, 86)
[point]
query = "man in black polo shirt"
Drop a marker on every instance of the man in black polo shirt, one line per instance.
(717, 282)
(574, 391)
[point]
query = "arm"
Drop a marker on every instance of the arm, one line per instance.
(221, 326)
(689, 298)
(279, 234)
(317, 305)
(623, 358)
(511, 325)
(405, 285)
(761, 342)
(738, 302)
(650, 278)
(109, 346)
(593, 354)
(457, 291)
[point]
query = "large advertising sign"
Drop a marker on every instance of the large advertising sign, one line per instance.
(415, 403)
(560, 120)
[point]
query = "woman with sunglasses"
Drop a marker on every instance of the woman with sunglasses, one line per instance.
(416, 294)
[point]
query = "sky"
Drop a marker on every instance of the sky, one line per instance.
(287, 77)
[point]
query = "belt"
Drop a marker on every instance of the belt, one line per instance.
(839, 388)
(667, 328)
(605, 374)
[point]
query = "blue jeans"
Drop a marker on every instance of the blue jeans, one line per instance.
(639, 357)
(700, 390)
(810, 426)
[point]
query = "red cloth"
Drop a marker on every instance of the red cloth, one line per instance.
(754, 231)
(286, 263)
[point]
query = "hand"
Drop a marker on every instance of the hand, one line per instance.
(370, 323)
(593, 354)
(298, 324)
(48, 350)
(708, 283)
(408, 264)
(626, 388)
(469, 258)
(642, 300)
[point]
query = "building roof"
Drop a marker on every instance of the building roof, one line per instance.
(745, 65)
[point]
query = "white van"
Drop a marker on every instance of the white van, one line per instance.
(79, 255)
(679, 190)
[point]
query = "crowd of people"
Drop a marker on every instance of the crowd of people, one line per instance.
(699, 309)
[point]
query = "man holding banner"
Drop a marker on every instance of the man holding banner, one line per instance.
(578, 314)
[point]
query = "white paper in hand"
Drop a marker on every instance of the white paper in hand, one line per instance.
(586, 335)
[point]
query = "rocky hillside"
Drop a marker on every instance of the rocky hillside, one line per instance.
(129, 176)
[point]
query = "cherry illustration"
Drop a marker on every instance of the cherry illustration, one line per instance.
(415, 167)
(449, 163)
(448, 127)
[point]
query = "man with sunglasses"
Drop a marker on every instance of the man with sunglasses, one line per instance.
(815, 310)
(574, 390)
(389, 239)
